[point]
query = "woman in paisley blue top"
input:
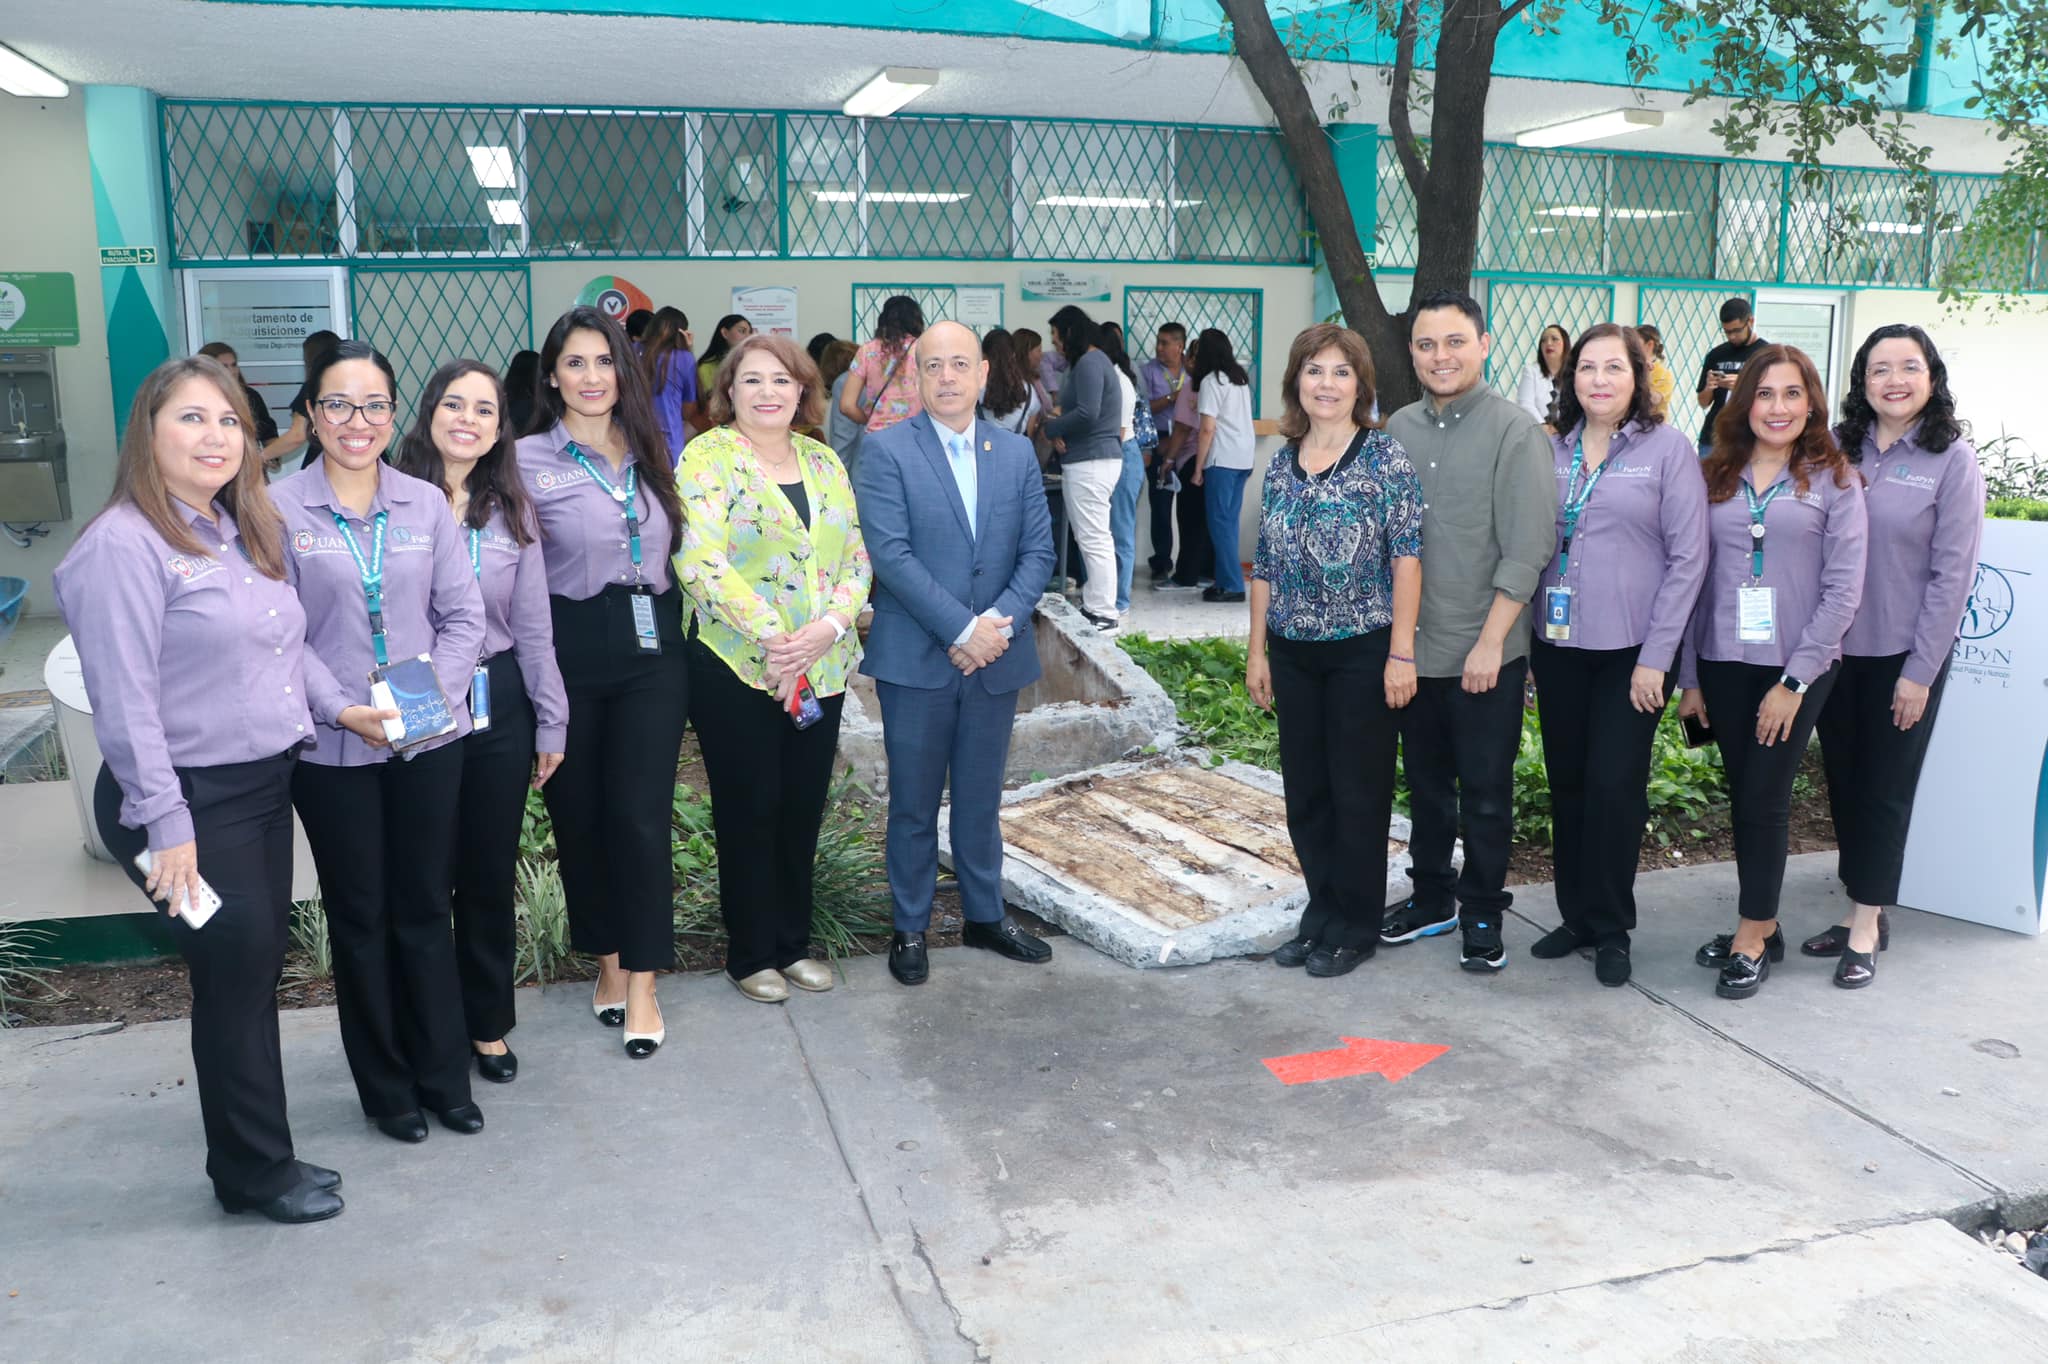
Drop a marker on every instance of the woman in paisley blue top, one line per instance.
(1335, 587)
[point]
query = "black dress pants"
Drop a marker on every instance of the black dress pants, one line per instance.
(613, 797)
(1337, 763)
(242, 826)
(1191, 516)
(1596, 749)
(769, 782)
(497, 766)
(1160, 501)
(383, 839)
(1873, 770)
(1759, 779)
(1458, 750)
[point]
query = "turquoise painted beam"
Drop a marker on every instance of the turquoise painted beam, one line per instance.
(124, 148)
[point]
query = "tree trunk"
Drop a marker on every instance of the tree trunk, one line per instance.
(1447, 209)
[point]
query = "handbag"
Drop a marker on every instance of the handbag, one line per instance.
(1143, 429)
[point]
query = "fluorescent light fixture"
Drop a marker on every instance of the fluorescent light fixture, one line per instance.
(1895, 229)
(505, 213)
(20, 76)
(1613, 123)
(492, 167)
(891, 196)
(891, 89)
(1589, 211)
(1110, 201)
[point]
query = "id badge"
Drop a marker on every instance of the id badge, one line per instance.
(1756, 611)
(480, 700)
(644, 633)
(1557, 613)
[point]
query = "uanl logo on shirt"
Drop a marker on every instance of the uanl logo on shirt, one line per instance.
(192, 569)
(548, 480)
(307, 542)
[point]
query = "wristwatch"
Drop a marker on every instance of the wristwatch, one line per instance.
(1793, 684)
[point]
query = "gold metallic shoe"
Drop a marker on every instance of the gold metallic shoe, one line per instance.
(807, 974)
(765, 986)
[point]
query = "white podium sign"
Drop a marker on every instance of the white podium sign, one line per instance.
(1978, 849)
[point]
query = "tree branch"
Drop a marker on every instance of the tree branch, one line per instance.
(1507, 15)
(1405, 146)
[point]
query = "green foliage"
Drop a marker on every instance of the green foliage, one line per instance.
(536, 830)
(24, 972)
(2012, 471)
(1205, 678)
(2018, 509)
(541, 925)
(309, 952)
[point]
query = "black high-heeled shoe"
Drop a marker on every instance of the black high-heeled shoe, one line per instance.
(1833, 941)
(1714, 955)
(501, 1069)
(1855, 969)
(406, 1127)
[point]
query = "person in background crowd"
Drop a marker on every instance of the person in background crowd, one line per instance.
(1195, 568)
(1160, 384)
(731, 330)
(672, 376)
(842, 432)
(1663, 383)
(521, 376)
(1615, 601)
(1031, 350)
(775, 575)
(880, 389)
(379, 567)
(1052, 371)
(816, 347)
(1010, 398)
(1925, 505)
(1488, 530)
(1336, 583)
(301, 432)
(605, 495)
(460, 443)
(1784, 577)
(261, 424)
(176, 597)
(1537, 393)
(1130, 485)
(1087, 435)
(954, 515)
(637, 323)
(1224, 447)
(1724, 364)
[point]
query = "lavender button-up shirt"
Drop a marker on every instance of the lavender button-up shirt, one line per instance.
(189, 660)
(431, 602)
(582, 530)
(1814, 549)
(1926, 523)
(516, 616)
(1640, 552)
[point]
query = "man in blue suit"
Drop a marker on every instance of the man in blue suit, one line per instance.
(953, 512)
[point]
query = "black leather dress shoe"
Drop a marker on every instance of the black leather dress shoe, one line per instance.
(1337, 961)
(320, 1175)
(1294, 952)
(1006, 936)
(502, 1069)
(1611, 965)
(1558, 942)
(467, 1119)
(1714, 955)
(405, 1127)
(305, 1201)
(1855, 969)
(908, 961)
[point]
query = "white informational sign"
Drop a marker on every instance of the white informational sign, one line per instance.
(1979, 839)
(979, 306)
(265, 319)
(771, 308)
(1066, 286)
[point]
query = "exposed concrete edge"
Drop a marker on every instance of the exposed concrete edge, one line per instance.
(2025, 1208)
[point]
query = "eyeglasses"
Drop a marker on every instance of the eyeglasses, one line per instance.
(337, 411)
(1912, 369)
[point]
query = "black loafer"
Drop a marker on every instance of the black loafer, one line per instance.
(305, 1201)
(1611, 964)
(1007, 937)
(1558, 942)
(1743, 976)
(467, 1119)
(908, 960)
(407, 1127)
(1855, 969)
(1834, 940)
(502, 1069)
(1294, 952)
(1336, 961)
(1714, 955)
(320, 1176)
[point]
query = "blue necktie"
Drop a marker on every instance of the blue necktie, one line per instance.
(962, 455)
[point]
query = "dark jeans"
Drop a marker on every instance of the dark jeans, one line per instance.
(497, 767)
(383, 839)
(242, 827)
(1873, 770)
(1337, 761)
(1596, 749)
(1197, 559)
(1458, 751)
(1759, 779)
(613, 797)
(1223, 500)
(769, 782)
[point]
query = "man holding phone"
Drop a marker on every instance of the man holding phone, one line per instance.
(1723, 365)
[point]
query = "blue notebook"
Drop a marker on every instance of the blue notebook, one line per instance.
(416, 695)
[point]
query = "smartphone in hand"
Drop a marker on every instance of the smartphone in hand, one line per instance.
(195, 915)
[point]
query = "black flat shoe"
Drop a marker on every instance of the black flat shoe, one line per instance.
(1715, 954)
(1294, 952)
(502, 1069)
(467, 1119)
(1856, 969)
(1558, 942)
(305, 1201)
(1611, 964)
(1007, 937)
(408, 1127)
(1743, 976)
(908, 961)
(320, 1176)
(1337, 961)
(1834, 941)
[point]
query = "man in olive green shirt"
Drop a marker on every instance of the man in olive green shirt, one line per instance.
(1489, 526)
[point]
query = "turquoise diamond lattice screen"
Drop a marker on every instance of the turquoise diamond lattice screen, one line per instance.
(980, 306)
(422, 317)
(1518, 310)
(1238, 313)
(1689, 320)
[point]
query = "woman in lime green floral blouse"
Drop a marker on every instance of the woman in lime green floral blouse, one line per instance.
(775, 572)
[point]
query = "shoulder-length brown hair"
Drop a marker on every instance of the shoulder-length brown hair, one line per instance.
(246, 497)
(1566, 412)
(810, 406)
(1814, 449)
(1313, 342)
(493, 483)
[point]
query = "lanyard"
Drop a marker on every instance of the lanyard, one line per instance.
(1576, 498)
(623, 494)
(372, 574)
(1757, 508)
(476, 552)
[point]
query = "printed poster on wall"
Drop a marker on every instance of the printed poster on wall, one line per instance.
(1066, 286)
(979, 306)
(38, 308)
(770, 307)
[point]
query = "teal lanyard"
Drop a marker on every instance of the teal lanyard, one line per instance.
(372, 573)
(476, 552)
(1757, 508)
(1576, 498)
(624, 494)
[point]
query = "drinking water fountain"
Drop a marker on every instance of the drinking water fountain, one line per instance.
(34, 483)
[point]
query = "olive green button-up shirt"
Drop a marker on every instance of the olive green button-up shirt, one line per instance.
(1489, 519)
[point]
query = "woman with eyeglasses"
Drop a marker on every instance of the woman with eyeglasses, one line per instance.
(604, 491)
(380, 570)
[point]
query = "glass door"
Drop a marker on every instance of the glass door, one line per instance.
(264, 312)
(1809, 319)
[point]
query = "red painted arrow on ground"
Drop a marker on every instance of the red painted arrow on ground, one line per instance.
(1358, 1056)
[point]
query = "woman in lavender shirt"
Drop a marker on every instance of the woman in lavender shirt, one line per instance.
(1926, 505)
(1611, 610)
(191, 642)
(459, 442)
(1786, 543)
(382, 831)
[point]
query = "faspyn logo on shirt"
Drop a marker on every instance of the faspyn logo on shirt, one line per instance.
(1903, 474)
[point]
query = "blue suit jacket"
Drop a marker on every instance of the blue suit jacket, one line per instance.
(931, 576)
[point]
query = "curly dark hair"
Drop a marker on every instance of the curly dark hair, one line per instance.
(1939, 428)
(1566, 413)
(1812, 450)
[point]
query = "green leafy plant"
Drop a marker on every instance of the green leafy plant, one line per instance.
(1205, 678)
(541, 951)
(24, 971)
(309, 952)
(850, 894)
(536, 830)
(2018, 508)
(2012, 471)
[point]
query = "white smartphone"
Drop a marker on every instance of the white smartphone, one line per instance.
(195, 915)
(382, 699)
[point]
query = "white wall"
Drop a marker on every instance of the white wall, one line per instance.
(48, 225)
(1994, 359)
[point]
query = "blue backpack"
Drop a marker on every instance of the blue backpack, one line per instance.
(1143, 428)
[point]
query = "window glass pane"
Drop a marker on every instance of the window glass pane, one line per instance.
(1238, 199)
(251, 181)
(824, 186)
(1660, 217)
(938, 187)
(740, 210)
(1395, 212)
(1093, 191)
(607, 184)
(1542, 212)
(417, 190)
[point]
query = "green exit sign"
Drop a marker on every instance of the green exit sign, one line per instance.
(127, 255)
